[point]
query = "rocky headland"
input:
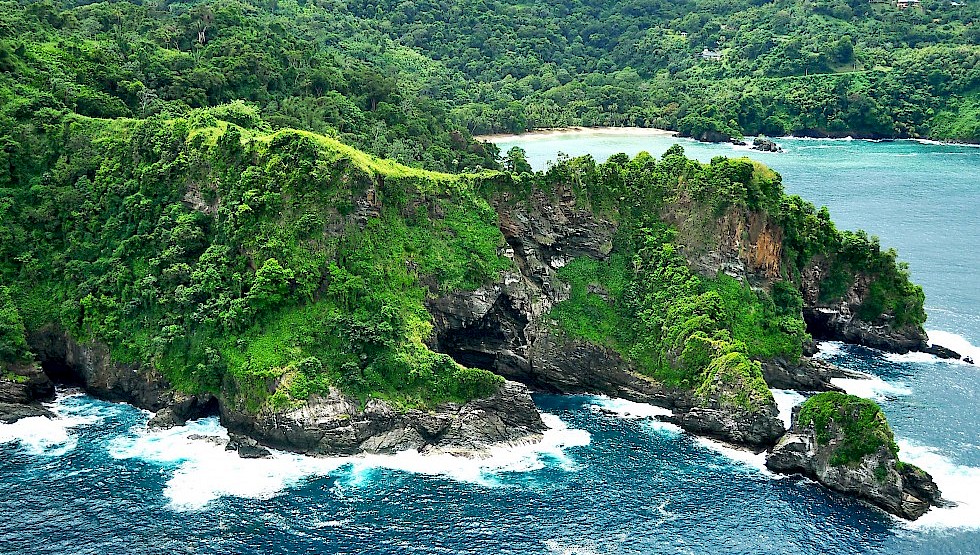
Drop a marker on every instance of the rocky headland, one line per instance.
(845, 443)
(722, 238)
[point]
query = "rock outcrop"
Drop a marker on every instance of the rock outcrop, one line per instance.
(337, 425)
(504, 327)
(877, 477)
(766, 145)
(22, 388)
(837, 320)
(809, 374)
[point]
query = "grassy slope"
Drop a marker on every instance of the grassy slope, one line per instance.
(275, 291)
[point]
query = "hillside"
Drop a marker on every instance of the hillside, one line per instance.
(399, 80)
(266, 268)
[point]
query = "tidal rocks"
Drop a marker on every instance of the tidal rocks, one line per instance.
(840, 324)
(760, 427)
(941, 352)
(845, 443)
(24, 383)
(12, 412)
(246, 447)
(22, 388)
(337, 425)
(766, 145)
(809, 374)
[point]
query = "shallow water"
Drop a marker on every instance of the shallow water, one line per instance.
(608, 479)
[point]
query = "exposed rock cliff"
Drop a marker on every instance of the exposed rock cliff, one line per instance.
(838, 319)
(504, 327)
(828, 449)
(338, 425)
(89, 365)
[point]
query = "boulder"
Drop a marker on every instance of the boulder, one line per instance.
(335, 424)
(766, 145)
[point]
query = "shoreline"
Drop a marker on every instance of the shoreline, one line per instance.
(552, 132)
(548, 132)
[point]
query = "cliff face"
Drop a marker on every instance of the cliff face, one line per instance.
(837, 320)
(829, 453)
(506, 327)
(332, 425)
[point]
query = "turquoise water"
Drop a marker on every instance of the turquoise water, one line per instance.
(605, 480)
(921, 199)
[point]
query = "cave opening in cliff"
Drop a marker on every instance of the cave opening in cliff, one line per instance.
(494, 342)
(60, 372)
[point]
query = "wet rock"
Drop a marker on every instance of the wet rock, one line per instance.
(246, 447)
(12, 412)
(24, 383)
(754, 428)
(941, 352)
(335, 424)
(809, 374)
(766, 145)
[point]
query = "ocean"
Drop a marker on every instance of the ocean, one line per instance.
(607, 478)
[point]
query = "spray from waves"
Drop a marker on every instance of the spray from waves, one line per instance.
(959, 484)
(873, 388)
(956, 342)
(204, 471)
(947, 339)
(742, 457)
(649, 413)
(786, 399)
(636, 411)
(828, 349)
(53, 437)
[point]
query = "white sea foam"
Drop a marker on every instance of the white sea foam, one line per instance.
(565, 548)
(827, 349)
(785, 400)
(959, 484)
(637, 411)
(956, 342)
(754, 461)
(205, 471)
(871, 388)
(40, 435)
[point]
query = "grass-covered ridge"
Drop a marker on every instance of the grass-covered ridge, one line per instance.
(857, 426)
(270, 265)
(243, 262)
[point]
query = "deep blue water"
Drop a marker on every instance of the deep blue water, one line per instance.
(96, 481)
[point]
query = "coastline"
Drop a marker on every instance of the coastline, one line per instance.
(552, 132)
(549, 132)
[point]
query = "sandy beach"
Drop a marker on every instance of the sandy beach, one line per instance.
(583, 131)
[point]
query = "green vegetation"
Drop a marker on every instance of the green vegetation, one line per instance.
(258, 196)
(238, 261)
(705, 333)
(857, 426)
(13, 344)
(400, 79)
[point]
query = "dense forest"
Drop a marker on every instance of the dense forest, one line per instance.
(411, 81)
(232, 256)
(177, 181)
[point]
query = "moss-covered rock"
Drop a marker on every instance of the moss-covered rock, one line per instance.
(845, 443)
